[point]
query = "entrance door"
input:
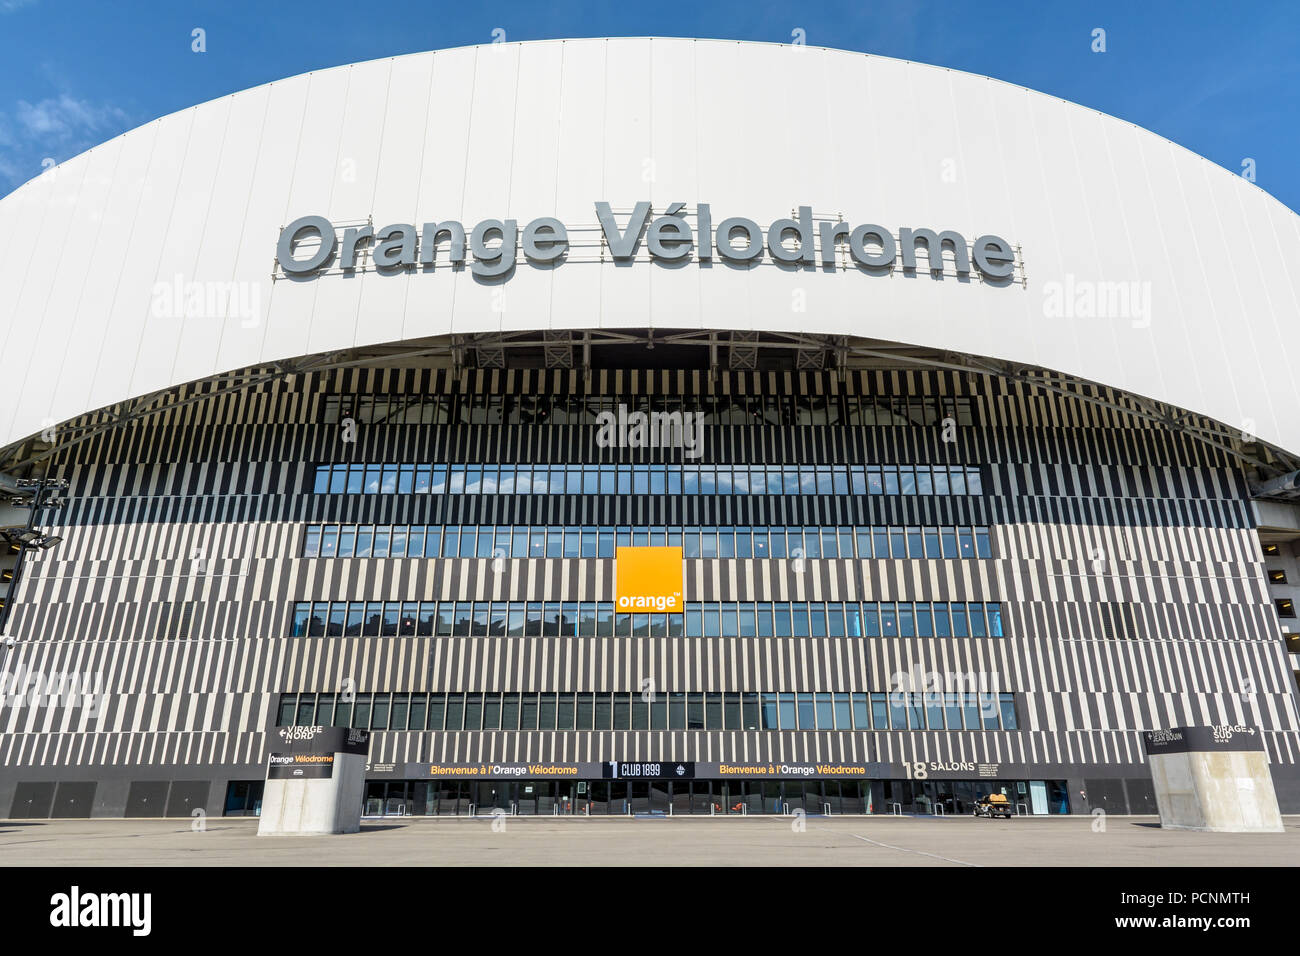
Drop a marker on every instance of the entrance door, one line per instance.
(704, 796)
(831, 795)
(148, 798)
(395, 799)
(814, 801)
(493, 795)
(243, 798)
(424, 798)
(922, 796)
(73, 798)
(373, 804)
(618, 796)
(527, 798)
(639, 796)
(545, 790)
(681, 796)
(659, 796)
(945, 796)
(792, 795)
(963, 793)
(1038, 796)
(1022, 799)
(599, 796)
(737, 796)
(772, 796)
(564, 795)
(582, 797)
(851, 796)
(447, 798)
(32, 800)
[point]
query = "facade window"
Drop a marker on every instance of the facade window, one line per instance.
(473, 541)
(1285, 608)
(932, 619)
(519, 478)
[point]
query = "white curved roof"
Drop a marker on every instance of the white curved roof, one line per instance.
(549, 128)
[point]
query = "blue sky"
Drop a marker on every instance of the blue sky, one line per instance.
(1219, 78)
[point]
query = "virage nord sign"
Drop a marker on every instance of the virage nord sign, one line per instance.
(313, 244)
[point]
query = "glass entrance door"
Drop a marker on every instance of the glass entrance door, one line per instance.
(792, 795)
(396, 802)
(492, 795)
(772, 796)
(1038, 796)
(659, 798)
(639, 796)
(681, 796)
(534, 797)
(618, 796)
(706, 796)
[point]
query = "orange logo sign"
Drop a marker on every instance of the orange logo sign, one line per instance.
(648, 580)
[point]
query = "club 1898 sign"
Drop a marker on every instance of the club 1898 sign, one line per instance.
(312, 244)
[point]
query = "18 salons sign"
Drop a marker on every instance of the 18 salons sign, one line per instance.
(312, 244)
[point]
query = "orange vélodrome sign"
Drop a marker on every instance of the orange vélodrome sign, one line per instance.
(648, 580)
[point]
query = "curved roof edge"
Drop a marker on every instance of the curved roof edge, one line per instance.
(652, 37)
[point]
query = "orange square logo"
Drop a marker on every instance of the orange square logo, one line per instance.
(648, 580)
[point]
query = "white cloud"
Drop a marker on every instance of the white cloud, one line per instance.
(9, 6)
(65, 117)
(9, 170)
(56, 128)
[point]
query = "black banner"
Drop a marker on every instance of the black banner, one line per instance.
(1181, 740)
(648, 770)
(1221, 906)
(315, 739)
(300, 767)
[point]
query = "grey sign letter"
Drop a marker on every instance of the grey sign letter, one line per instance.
(293, 232)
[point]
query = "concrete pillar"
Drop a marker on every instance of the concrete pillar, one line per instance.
(1214, 779)
(315, 780)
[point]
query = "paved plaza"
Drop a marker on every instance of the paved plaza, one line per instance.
(653, 841)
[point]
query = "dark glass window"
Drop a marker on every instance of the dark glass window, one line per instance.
(1007, 704)
(694, 711)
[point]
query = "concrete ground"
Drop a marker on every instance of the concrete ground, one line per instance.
(658, 841)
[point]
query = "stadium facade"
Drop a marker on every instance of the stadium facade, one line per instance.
(352, 399)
